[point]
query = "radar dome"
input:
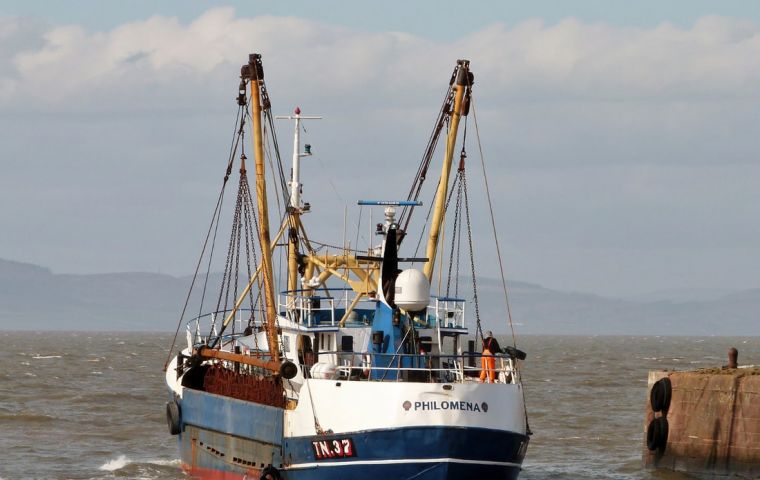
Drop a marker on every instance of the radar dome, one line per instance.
(412, 290)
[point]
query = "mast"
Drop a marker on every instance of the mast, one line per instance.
(463, 82)
(255, 73)
(295, 209)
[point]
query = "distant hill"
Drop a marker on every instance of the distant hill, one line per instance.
(34, 298)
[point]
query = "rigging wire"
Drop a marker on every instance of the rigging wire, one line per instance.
(192, 284)
(329, 180)
(456, 231)
(275, 144)
(237, 132)
(358, 229)
(214, 219)
(250, 249)
(427, 219)
(327, 245)
(244, 224)
(498, 254)
(269, 119)
(232, 252)
(278, 192)
(419, 180)
(493, 225)
(479, 327)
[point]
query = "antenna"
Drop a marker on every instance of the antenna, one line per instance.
(295, 179)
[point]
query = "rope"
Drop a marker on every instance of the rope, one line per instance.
(327, 245)
(498, 254)
(192, 284)
(493, 225)
(214, 219)
(236, 135)
(419, 180)
(317, 426)
(424, 225)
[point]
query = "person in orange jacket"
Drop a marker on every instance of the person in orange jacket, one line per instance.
(488, 361)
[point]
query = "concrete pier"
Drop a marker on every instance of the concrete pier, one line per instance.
(710, 425)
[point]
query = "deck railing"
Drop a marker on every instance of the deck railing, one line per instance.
(446, 312)
(200, 330)
(312, 310)
(468, 367)
(327, 310)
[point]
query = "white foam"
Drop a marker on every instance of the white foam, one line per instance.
(116, 464)
(164, 463)
(45, 357)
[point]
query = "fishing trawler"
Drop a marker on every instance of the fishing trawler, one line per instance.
(353, 370)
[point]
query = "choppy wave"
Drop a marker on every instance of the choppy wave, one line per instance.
(26, 418)
(585, 399)
(123, 461)
(115, 464)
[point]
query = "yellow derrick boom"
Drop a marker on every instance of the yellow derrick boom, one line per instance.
(256, 73)
(462, 83)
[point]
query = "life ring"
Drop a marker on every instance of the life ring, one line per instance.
(657, 435)
(173, 417)
(270, 473)
(660, 395)
(366, 366)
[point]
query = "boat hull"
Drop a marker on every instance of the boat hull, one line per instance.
(224, 438)
(418, 452)
(421, 471)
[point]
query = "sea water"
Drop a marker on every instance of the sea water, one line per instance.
(77, 405)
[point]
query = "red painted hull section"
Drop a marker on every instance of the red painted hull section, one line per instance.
(210, 474)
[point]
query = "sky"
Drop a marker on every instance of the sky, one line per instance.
(620, 138)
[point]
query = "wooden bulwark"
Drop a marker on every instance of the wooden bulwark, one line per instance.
(264, 390)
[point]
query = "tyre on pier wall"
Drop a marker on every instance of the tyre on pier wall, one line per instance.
(704, 422)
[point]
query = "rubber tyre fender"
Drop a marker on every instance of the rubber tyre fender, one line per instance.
(660, 395)
(515, 353)
(173, 417)
(288, 369)
(657, 435)
(270, 473)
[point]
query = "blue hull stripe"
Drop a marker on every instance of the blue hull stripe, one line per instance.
(234, 417)
(402, 461)
(461, 444)
(416, 471)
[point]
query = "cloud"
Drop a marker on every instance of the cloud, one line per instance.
(598, 137)
(715, 58)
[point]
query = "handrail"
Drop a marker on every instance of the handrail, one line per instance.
(316, 310)
(197, 335)
(456, 371)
